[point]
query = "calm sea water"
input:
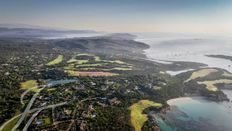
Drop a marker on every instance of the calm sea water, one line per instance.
(189, 48)
(197, 113)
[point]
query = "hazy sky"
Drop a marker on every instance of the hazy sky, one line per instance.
(198, 16)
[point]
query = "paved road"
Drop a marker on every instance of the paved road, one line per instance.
(25, 92)
(33, 110)
(31, 119)
(27, 109)
(38, 111)
(46, 107)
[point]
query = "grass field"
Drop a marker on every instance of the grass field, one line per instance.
(122, 68)
(210, 85)
(72, 72)
(82, 61)
(58, 60)
(75, 61)
(115, 61)
(69, 67)
(95, 66)
(137, 117)
(83, 54)
(86, 69)
(10, 123)
(30, 84)
(72, 60)
(200, 73)
(47, 121)
(89, 65)
(97, 58)
(119, 62)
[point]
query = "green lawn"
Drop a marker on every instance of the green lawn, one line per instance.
(89, 65)
(75, 65)
(82, 61)
(72, 60)
(72, 73)
(97, 58)
(75, 61)
(83, 54)
(86, 69)
(56, 61)
(122, 68)
(119, 62)
(30, 84)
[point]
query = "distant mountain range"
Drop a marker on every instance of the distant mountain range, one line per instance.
(24, 31)
(38, 32)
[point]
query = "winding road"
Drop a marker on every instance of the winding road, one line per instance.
(29, 105)
(27, 109)
(31, 111)
(38, 111)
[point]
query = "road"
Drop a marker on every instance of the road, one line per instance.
(31, 111)
(25, 92)
(27, 109)
(38, 111)
(31, 119)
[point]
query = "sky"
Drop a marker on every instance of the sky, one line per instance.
(181, 16)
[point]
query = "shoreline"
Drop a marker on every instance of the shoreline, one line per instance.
(188, 107)
(171, 66)
(182, 99)
(208, 58)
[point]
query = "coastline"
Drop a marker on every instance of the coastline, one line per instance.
(174, 68)
(171, 67)
(185, 98)
(188, 49)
